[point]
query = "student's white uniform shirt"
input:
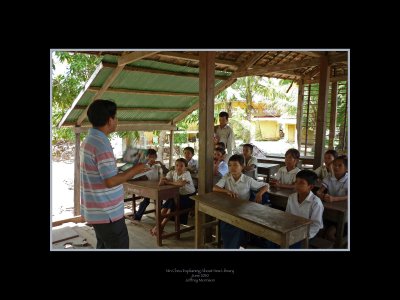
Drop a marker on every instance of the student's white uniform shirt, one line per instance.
(311, 208)
(193, 164)
(286, 177)
(187, 188)
(322, 172)
(241, 187)
(253, 161)
(336, 187)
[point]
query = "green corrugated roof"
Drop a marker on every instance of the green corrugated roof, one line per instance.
(143, 81)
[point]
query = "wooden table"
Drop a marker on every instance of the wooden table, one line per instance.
(267, 169)
(277, 226)
(333, 211)
(152, 190)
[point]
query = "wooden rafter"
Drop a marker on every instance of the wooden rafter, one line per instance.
(313, 53)
(127, 123)
(129, 91)
(196, 58)
(154, 109)
(160, 72)
(290, 66)
(133, 127)
(134, 56)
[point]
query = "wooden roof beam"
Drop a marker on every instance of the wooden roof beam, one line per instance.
(129, 91)
(196, 58)
(134, 56)
(134, 127)
(154, 109)
(313, 53)
(160, 72)
(291, 66)
(332, 79)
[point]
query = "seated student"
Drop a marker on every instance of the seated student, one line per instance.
(250, 162)
(286, 175)
(220, 166)
(327, 169)
(182, 178)
(193, 166)
(304, 204)
(238, 185)
(335, 188)
(157, 168)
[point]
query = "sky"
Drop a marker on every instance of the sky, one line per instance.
(60, 68)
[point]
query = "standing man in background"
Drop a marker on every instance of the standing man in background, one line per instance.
(102, 195)
(224, 133)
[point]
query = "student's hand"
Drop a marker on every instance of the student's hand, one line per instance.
(232, 194)
(140, 168)
(162, 181)
(329, 198)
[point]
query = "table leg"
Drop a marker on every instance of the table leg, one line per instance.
(177, 217)
(340, 230)
(199, 221)
(158, 222)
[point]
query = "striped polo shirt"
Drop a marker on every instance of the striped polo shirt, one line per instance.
(99, 204)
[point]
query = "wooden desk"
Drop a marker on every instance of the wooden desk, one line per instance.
(152, 190)
(279, 227)
(333, 211)
(267, 169)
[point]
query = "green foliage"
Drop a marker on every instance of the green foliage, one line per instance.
(180, 138)
(66, 87)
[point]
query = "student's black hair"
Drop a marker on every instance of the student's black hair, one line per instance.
(224, 114)
(220, 144)
(182, 160)
(151, 152)
(332, 152)
(190, 149)
(249, 146)
(293, 152)
(237, 157)
(100, 111)
(221, 150)
(343, 158)
(308, 176)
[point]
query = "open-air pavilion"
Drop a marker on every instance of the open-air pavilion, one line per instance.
(154, 90)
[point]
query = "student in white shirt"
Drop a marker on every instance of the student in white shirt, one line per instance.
(156, 168)
(326, 169)
(237, 185)
(335, 188)
(286, 175)
(193, 166)
(224, 133)
(250, 162)
(182, 178)
(304, 204)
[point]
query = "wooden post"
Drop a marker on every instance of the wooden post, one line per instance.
(77, 176)
(206, 130)
(321, 113)
(332, 126)
(171, 149)
(300, 100)
(206, 121)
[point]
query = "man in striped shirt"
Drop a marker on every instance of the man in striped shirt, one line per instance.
(102, 195)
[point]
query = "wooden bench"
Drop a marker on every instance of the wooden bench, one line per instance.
(320, 243)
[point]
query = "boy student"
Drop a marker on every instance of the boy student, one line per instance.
(224, 133)
(286, 175)
(220, 166)
(192, 165)
(220, 145)
(237, 185)
(304, 204)
(156, 167)
(327, 169)
(336, 189)
(182, 178)
(250, 161)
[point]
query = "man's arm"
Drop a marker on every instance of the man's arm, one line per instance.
(125, 176)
